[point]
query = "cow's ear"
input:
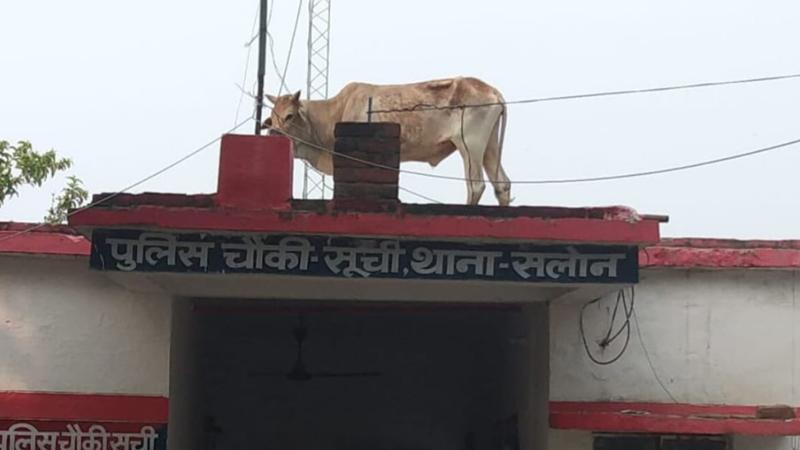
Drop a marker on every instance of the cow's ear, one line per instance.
(272, 98)
(296, 97)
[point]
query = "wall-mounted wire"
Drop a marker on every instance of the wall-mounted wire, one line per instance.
(610, 336)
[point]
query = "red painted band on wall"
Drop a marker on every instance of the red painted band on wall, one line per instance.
(83, 407)
(591, 416)
(662, 418)
(719, 257)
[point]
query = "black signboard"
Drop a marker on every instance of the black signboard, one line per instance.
(354, 257)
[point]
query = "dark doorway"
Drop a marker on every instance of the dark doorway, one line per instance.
(305, 376)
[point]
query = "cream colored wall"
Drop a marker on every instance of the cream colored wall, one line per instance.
(64, 328)
(715, 337)
(570, 440)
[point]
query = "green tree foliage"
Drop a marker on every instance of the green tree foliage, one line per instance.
(21, 165)
(72, 196)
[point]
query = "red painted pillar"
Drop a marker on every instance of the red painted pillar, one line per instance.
(255, 172)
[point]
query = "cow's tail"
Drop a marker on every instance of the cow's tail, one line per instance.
(502, 135)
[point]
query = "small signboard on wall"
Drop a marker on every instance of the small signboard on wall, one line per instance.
(355, 257)
(79, 435)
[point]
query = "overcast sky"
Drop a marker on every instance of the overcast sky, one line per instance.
(124, 88)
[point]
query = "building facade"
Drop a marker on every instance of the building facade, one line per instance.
(365, 323)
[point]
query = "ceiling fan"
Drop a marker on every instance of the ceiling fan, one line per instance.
(299, 371)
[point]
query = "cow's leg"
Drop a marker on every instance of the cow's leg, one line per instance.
(471, 140)
(494, 170)
(474, 178)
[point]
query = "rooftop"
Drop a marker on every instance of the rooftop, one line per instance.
(721, 254)
(39, 239)
(255, 195)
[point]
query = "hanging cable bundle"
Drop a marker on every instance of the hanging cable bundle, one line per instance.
(610, 335)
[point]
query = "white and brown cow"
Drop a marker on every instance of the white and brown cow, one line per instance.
(427, 135)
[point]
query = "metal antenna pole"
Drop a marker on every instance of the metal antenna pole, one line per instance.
(262, 53)
(319, 30)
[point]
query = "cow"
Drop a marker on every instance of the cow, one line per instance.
(433, 125)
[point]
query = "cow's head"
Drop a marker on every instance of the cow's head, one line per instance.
(286, 115)
(289, 117)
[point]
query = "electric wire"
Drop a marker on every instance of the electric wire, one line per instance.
(409, 191)
(291, 46)
(609, 339)
(271, 45)
(426, 107)
(134, 184)
(246, 69)
(254, 35)
(650, 361)
(554, 180)
(274, 60)
(422, 196)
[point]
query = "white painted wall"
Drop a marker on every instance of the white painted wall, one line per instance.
(762, 443)
(570, 440)
(64, 328)
(713, 337)
(719, 337)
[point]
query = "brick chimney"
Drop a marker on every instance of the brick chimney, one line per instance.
(366, 166)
